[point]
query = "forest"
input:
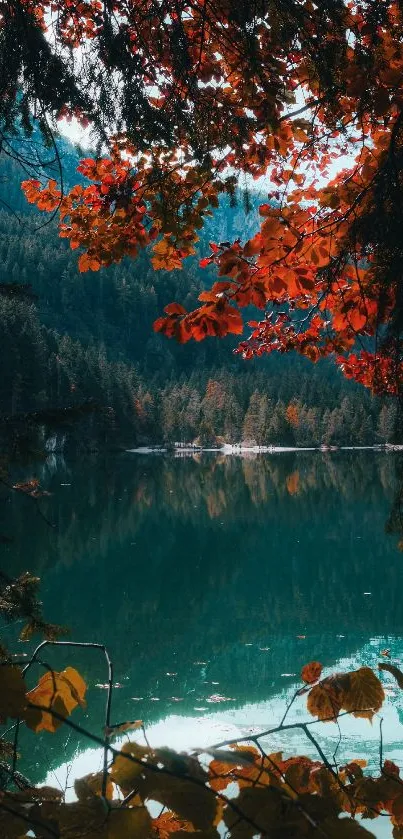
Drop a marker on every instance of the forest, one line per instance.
(81, 338)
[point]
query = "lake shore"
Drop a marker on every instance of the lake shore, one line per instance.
(241, 449)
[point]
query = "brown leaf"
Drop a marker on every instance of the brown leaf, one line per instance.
(311, 672)
(124, 772)
(167, 823)
(360, 693)
(336, 828)
(88, 819)
(383, 665)
(390, 768)
(262, 807)
(364, 694)
(12, 692)
(397, 809)
(325, 699)
(91, 785)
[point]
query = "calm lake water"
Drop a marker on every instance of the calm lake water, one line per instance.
(212, 580)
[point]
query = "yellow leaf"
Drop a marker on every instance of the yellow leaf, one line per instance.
(91, 785)
(124, 772)
(88, 819)
(60, 692)
(133, 822)
(189, 801)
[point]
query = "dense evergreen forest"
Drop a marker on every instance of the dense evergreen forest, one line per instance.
(77, 339)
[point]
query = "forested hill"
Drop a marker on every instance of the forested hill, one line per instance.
(90, 337)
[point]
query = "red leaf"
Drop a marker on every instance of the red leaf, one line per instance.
(175, 309)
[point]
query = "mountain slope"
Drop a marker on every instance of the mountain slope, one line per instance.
(90, 336)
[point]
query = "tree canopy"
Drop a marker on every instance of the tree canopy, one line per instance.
(183, 98)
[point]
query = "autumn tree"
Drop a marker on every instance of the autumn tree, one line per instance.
(182, 97)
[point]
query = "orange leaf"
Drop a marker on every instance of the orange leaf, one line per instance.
(311, 672)
(60, 692)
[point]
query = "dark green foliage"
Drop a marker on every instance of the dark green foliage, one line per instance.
(71, 339)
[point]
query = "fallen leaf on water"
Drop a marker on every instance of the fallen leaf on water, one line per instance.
(122, 727)
(216, 697)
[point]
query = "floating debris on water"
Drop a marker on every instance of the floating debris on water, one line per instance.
(216, 697)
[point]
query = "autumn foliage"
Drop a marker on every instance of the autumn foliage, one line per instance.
(304, 99)
(241, 787)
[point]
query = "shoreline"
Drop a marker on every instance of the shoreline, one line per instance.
(238, 449)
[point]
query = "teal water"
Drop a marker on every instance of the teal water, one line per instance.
(212, 580)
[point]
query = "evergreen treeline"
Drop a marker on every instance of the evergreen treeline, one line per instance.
(90, 337)
(294, 405)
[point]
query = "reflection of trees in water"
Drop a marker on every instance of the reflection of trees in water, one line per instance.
(395, 519)
(146, 509)
(172, 562)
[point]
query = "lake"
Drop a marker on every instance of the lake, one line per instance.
(212, 580)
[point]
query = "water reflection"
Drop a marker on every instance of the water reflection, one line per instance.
(359, 738)
(210, 577)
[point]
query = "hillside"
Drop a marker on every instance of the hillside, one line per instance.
(90, 337)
